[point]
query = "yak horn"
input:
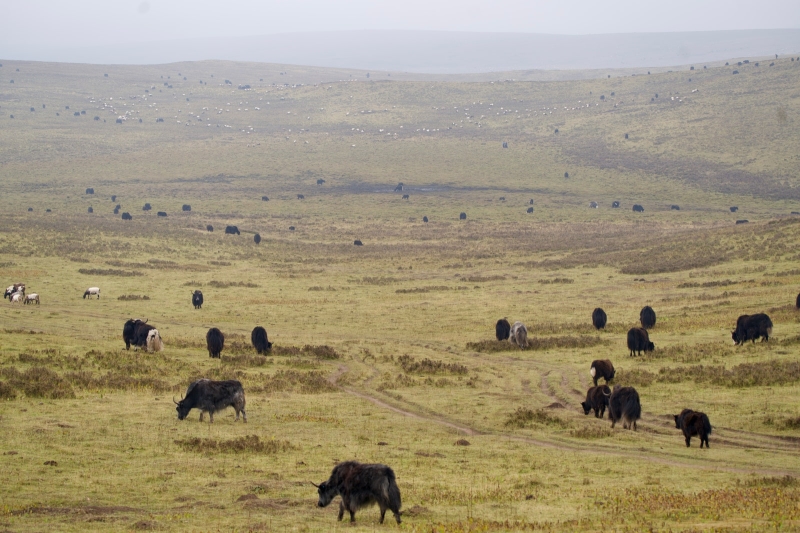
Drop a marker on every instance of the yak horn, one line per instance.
(314, 484)
(173, 399)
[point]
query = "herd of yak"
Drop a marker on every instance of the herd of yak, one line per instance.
(360, 485)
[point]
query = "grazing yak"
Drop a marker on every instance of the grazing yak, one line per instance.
(186, 207)
(647, 317)
(260, 341)
(90, 292)
(17, 287)
(502, 329)
(734, 209)
(797, 302)
(32, 298)
(675, 207)
(215, 341)
(615, 204)
(462, 216)
(425, 219)
(638, 208)
(209, 228)
(751, 327)
(529, 210)
(141, 335)
(361, 485)
(358, 242)
(602, 368)
(16, 298)
(693, 423)
(162, 213)
(126, 216)
(624, 405)
(232, 230)
(211, 397)
(639, 341)
(596, 400)
(599, 318)
(405, 197)
(519, 335)
(197, 299)
(257, 238)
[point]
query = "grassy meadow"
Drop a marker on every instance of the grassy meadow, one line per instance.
(385, 352)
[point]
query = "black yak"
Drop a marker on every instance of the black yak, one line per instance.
(210, 227)
(599, 318)
(602, 368)
(462, 216)
(197, 299)
(615, 204)
(186, 207)
(693, 423)
(126, 216)
(502, 329)
(215, 341)
(141, 335)
(639, 341)
(638, 208)
(797, 302)
(675, 207)
(751, 327)
(257, 238)
(361, 485)
(162, 213)
(529, 210)
(259, 339)
(734, 209)
(624, 405)
(425, 219)
(358, 242)
(211, 397)
(146, 207)
(647, 317)
(596, 400)
(231, 230)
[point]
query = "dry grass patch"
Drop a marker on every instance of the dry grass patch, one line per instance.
(38, 382)
(429, 366)
(313, 382)
(109, 272)
(246, 444)
(591, 432)
(524, 417)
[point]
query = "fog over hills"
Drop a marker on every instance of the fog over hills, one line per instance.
(439, 52)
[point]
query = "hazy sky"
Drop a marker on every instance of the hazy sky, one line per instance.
(50, 23)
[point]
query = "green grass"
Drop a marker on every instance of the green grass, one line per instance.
(386, 352)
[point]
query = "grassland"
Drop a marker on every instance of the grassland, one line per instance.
(385, 352)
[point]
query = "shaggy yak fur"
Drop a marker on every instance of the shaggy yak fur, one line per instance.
(602, 368)
(519, 335)
(197, 299)
(137, 332)
(502, 329)
(647, 317)
(215, 341)
(259, 339)
(599, 318)
(693, 423)
(597, 400)
(361, 485)
(751, 327)
(624, 405)
(639, 341)
(211, 397)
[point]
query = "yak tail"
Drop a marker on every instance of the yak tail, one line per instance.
(392, 492)
(707, 425)
(593, 371)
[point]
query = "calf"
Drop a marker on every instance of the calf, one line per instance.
(693, 423)
(215, 341)
(32, 298)
(751, 327)
(599, 318)
(602, 368)
(361, 485)
(518, 335)
(624, 405)
(597, 400)
(639, 341)
(211, 397)
(502, 329)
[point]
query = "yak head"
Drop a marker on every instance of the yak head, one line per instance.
(586, 407)
(327, 492)
(736, 336)
(677, 421)
(650, 347)
(183, 407)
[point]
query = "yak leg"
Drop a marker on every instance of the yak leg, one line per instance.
(201, 415)
(244, 416)
(341, 510)
(383, 512)
(211, 417)
(396, 515)
(689, 439)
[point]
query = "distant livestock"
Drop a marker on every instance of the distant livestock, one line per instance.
(141, 335)
(797, 302)
(399, 187)
(209, 228)
(146, 207)
(751, 327)
(215, 342)
(530, 202)
(32, 298)
(361, 485)
(301, 197)
(602, 368)
(693, 423)
(505, 145)
(89, 191)
(502, 329)
(462, 216)
(12, 289)
(638, 208)
(90, 210)
(742, 221)
(265, 198)
(197, 299)
(596, 400)
(320, 181)
(126, 216)
(734, 209)
(599, 318)
(615, 204)
(624, 405)
(639, 341)
(211, 397)
(675, 207)
(260, 341)
(358, 242)
(405, 197)
(519, 335)
(257, 238)
(593, 205)
(425, 219)
(186, 207)
(232, 230)
(154, 342)
(647, 317)
(162, 213)
(16, 298)
(529, 210)
(91, 291)
(291, 228)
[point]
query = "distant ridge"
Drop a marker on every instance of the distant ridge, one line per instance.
(436, 52)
